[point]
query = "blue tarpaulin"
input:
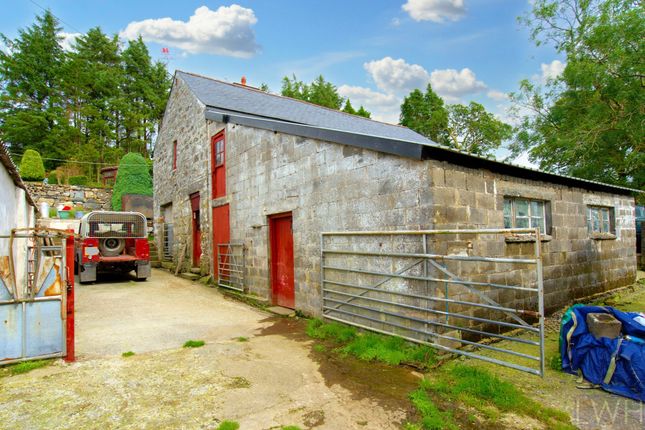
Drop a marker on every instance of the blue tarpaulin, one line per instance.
(617, 365)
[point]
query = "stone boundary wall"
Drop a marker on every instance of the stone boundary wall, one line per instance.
(88, 197)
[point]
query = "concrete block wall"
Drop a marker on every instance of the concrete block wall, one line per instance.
(576, 264)
(327, 187)
(333, 187)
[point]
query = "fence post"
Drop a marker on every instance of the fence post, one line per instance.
(69, 259)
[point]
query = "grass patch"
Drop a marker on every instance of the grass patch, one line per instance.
(432, 418)
(290, 428)
(242, 339)
(194, 343)
(555, 362)
(371, 346)
(319, 347)
(479, 389)
(26, 366)
(127, 354)
(228, 425)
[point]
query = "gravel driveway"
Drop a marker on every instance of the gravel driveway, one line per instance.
(256, 369)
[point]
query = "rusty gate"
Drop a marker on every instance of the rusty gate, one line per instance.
(34, 280)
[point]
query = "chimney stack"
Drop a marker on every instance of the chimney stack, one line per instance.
(243, 80)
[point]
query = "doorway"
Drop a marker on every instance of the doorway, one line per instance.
(197, 233)
(282, 271)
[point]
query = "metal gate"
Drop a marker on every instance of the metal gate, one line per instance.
(230, 266)
(450, 289)
(33, 296)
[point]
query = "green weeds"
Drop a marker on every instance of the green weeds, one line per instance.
(370, 346)
(228, 425)
(26, 366)
(127, 354)
(242, 339)
(194, 343)
(458, 384)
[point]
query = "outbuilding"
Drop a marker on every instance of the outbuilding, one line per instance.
(17, 210)
(236, 166)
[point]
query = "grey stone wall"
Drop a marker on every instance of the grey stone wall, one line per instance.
(184, 122)
(88, 197)
(332, 187)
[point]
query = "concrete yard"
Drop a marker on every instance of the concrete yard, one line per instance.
(255, 369)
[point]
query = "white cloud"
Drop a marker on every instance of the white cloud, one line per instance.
(384, 107)
(452, 84)
(225, 31)
(435, 10)
(397, 76)
(550, 71)
(395, 79)
(68, 40)
(497, 95)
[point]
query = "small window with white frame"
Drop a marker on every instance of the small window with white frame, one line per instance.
(525, 213)
(600, 220)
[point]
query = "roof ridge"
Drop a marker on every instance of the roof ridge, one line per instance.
(247, 87)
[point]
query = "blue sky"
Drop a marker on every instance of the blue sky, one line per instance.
(374, 51)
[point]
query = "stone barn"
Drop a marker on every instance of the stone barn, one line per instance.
(235, 165)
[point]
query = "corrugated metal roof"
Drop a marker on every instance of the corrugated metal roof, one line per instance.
(244, 99)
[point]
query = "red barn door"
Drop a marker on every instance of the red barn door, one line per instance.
(221, 232)
(282, 273)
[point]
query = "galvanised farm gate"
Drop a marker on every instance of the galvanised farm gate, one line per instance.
(445, 288)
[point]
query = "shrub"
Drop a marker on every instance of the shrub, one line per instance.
(52, 178)
(31, 166)
(133, 177)
(78, 180)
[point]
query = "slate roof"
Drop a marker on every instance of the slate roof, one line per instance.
(251, 107)
(244, 99)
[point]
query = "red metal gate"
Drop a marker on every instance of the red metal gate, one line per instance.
(282, 273)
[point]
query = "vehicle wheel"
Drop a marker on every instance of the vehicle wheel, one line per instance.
(111, 247)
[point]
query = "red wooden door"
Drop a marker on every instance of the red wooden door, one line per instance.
(221, 232)
(281, 242)
(218, 165)
(197, 232)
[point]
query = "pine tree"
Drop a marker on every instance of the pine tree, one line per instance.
(32, 111)
(362, 112)
(348, 108)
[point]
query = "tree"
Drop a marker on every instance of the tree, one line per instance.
(588, 122)
(32, 111)
(466, 128)
(426, 114)
(31, 166)
(93, 78)
(132, 177)
(348, 108)
(324, 93)
(319, 92)
(362, 112)
(473, 129)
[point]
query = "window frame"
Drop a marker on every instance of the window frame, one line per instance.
(610, 220)
(174, 155)
(545, 228)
